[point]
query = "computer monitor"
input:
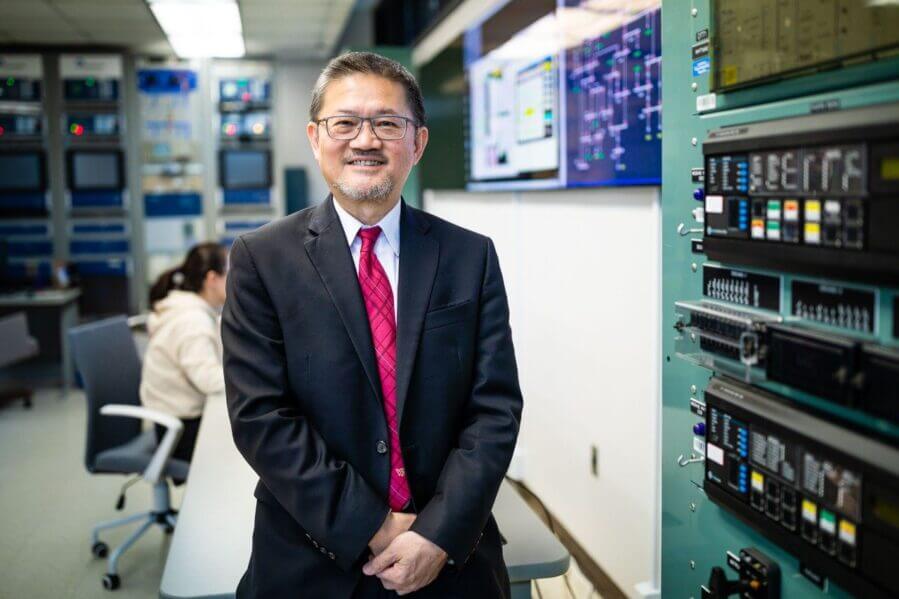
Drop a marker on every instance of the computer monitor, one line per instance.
(22, 171)
(95, 170)
(245, 169)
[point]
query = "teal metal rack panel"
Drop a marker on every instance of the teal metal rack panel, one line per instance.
(696, 533)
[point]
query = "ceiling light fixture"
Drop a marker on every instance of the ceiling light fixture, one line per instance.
(201, 28)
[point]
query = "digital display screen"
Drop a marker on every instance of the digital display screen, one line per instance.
(20, 90)
(761, 40)
(91, 171)
(832, 485)
(21, 171)
(87, 125)
(244, 90)
(23, 125)
(832, 170)
(91, 89)
(513, 119)
(613, 101)
(245, 169)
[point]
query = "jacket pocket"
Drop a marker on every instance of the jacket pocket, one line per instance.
(448, 315)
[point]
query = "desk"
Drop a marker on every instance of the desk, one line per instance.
(211, 546)
(51, 334)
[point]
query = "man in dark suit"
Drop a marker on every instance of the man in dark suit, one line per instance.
(381, 429)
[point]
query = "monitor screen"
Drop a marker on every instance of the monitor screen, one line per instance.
(765, 40)
(514, 119)
(22, 172)
(245, 169)
(613, 91)
(95, 170)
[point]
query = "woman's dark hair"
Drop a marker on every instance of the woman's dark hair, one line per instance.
(189, 275)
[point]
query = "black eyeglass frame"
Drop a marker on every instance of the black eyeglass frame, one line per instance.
(371, 124)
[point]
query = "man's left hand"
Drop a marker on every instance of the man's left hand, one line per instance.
(409, 563)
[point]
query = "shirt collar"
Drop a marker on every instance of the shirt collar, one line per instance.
(390, 225)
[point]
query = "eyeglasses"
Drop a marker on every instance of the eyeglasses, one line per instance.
(386, 127)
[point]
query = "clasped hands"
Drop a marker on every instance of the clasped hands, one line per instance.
(403, 560)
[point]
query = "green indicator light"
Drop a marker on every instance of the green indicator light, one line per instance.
(610, 62)
(638, 68)
(587, 156)
(648, 137)
(647, 31)
(638, 53)
(89, 82)
(659, 135)
(10, 81)
(602, 155)
(73, 128)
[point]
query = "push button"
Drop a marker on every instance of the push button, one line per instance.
(382, 447)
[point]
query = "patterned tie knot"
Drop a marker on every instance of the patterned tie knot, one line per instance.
(369, 237)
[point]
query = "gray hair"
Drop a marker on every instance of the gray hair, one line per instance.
(351, 63)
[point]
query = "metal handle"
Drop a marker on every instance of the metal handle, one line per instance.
(682, 461)
(683, 230)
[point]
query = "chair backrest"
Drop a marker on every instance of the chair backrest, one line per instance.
(17, 343)
(110, 368)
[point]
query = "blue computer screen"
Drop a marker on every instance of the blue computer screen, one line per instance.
(613, 88)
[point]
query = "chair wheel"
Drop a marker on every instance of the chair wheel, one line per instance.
(100, 549)
(168, 529)
(111, 582)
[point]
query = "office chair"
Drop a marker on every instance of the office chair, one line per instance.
(17, 345)
(107, 359)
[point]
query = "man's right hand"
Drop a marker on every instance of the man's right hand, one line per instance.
(394, 525)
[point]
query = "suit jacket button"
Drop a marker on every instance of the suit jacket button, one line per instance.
(331, 555)
(315, 544)
(382, 447)
(323, 550)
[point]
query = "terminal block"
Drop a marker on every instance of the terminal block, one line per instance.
(720, 336)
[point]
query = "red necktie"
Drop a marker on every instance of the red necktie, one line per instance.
(378, 299)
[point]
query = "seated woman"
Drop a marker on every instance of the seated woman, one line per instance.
(183, 362)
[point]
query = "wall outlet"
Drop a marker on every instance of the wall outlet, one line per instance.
(594, 460)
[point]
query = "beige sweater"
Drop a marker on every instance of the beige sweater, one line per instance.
(183, 363)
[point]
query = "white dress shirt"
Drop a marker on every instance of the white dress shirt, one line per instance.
(387, 247)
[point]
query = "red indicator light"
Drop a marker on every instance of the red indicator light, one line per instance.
(77, 130)
(230, 129)
(2, 130)
(246, 96)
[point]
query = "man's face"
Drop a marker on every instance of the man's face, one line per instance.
(366, 169)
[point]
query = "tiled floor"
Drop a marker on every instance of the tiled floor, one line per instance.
(49, 503)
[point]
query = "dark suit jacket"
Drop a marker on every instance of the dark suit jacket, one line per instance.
(305, 402)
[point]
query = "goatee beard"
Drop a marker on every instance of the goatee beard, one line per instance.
(377, 193)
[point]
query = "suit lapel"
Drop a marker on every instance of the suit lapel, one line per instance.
(330, 254)
(419, 254)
